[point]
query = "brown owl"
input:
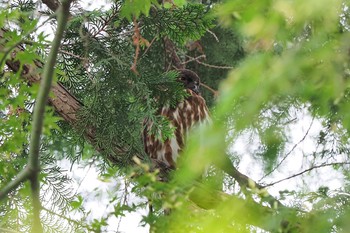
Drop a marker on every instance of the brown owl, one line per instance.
(183, 117)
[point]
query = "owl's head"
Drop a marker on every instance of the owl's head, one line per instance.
(190, 80)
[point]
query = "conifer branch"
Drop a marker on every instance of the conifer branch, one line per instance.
(84, 59)
(105, 23)
(75, 222)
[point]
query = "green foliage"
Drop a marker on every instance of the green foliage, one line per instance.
(108, 88)
(290, 62)
(136, 8)
(181, 24)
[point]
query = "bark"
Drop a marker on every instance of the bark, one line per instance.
(172, 60)
(52, 4)
(64, 103)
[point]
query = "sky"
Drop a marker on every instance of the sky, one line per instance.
(87, 181)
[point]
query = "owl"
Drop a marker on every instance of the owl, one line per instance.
(187, 113)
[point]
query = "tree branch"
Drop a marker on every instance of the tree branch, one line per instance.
(307, 170)
(21, 177)
(289, 152)
(254, 213)
(208, 65)
(32, 169)
(39, 113)
(51, 4)
(215, 93)
(171, 57)
(246, 182)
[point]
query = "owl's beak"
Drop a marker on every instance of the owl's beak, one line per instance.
(196, 89)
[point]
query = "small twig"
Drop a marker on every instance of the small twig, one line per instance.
(193, 59)
(289, 152)
(82, 180)
(290, 121)
(307, 170)
(208, 65)
(126, 185)
(172, 59)
(136, 42)
(216, 93)
(214, 35)
(51, 4)
(106, 22)
(73, 55)
(214, 66)
(130, 31)
(245, 181)
(149, 46)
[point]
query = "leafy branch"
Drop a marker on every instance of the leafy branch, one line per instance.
(32, 170)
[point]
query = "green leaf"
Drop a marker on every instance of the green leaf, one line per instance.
(134, 8)
(77, 204)
(180, 3)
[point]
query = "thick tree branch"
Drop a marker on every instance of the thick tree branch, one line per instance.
(171, 57)
(246, 182)
(51, 4)
(254, 213)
